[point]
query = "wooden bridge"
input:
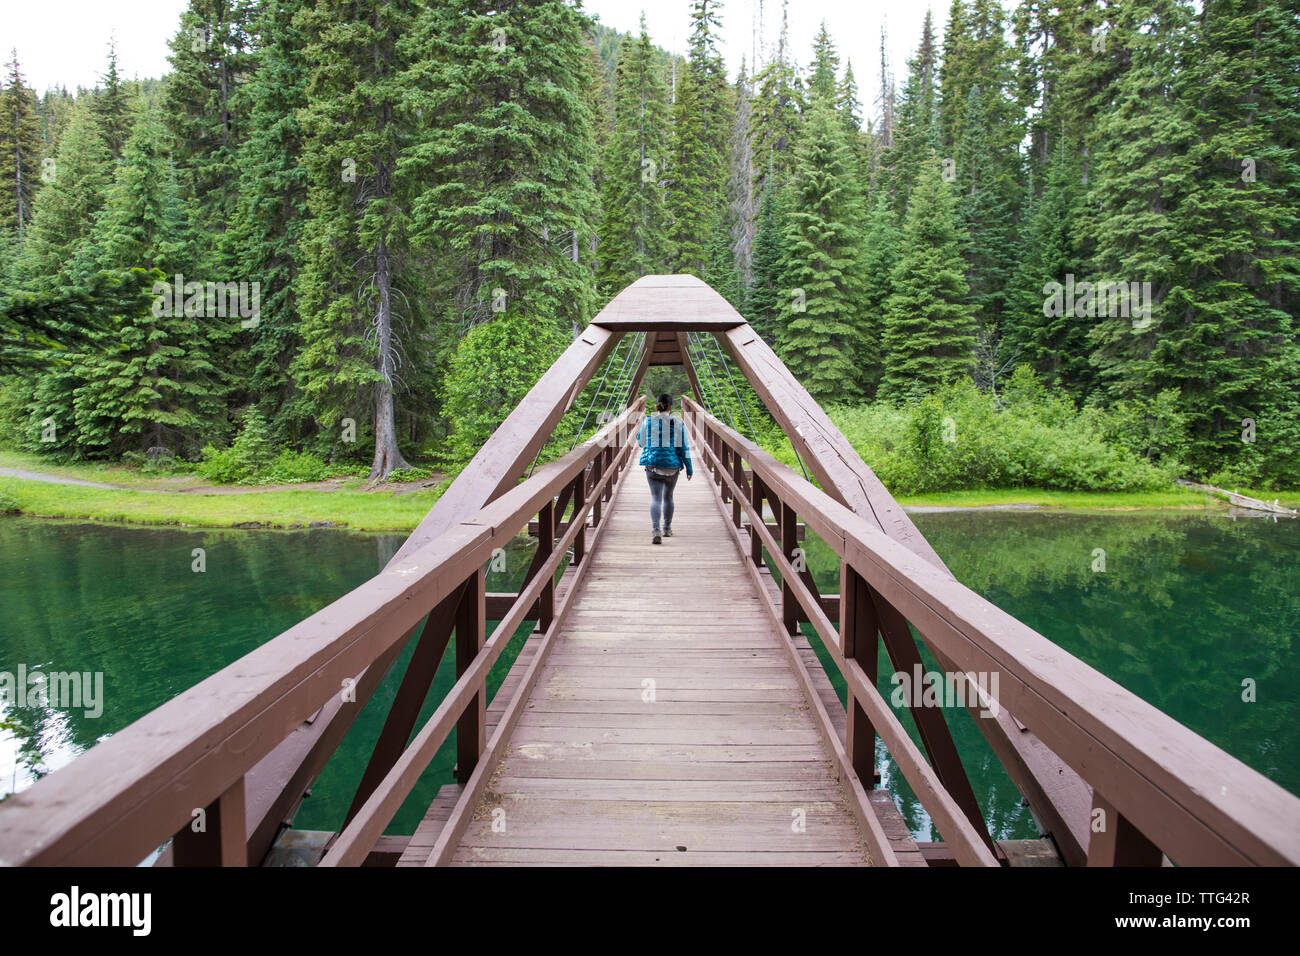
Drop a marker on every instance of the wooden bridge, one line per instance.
(666, 708)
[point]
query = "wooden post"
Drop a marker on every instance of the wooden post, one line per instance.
(755, 541)
(789, 541)
(1115, 841)
(471, 626)
(545, 545)
(596, 472)
(858, 636)
(579, 500)
(608, 453)
(223, 836)
(738, 473)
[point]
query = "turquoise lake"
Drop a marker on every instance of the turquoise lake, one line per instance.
(1188, 607)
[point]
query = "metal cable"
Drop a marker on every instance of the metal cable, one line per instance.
(797, 456)
(739, 401)
(594, 398)
(713, 381)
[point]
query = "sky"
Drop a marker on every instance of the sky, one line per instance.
(65, 42)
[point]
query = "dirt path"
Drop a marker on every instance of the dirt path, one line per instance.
(332, 484)
(53, 479)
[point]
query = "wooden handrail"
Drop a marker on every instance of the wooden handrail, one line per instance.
(359, 837)
(1197, 803)
(123, 798)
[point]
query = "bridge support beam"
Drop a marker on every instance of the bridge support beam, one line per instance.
(471, 632)
(221, 841)
(1116, 841)
(859, 626)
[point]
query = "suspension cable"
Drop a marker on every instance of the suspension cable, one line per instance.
(722, 359)
(713, 381)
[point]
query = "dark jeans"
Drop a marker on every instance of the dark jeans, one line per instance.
(661, 498)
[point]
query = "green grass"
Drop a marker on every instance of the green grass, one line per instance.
(358, 510)
(119, 473)
(1090, 500)
(154, 499)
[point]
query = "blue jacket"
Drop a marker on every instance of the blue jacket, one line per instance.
(663, 442)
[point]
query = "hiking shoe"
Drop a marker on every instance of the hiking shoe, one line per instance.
(668, 532)
(657, 539)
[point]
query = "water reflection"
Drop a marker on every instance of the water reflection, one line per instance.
(1189, 613)
(127, 603)
(1187, 608)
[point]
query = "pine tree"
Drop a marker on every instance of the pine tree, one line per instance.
(505, 168)
(112, 109)
(917, 129)
(821, 343)
(767, 303)
(203, 107)
(354, 244)
(1056, 345)
(776, 116)
(702, 123)
(987, 172)
(20, 152)
(823, 79)
(151, 382)
(264, 239)
(65, 211)
(881, 242)
(634, 234)
(742, 206)
(929, 332)
(1216, 243)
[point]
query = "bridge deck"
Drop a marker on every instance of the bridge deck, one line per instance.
(719, 767)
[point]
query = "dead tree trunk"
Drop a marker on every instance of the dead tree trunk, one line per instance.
(387, 456)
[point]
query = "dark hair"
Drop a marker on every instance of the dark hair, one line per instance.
(664, 403)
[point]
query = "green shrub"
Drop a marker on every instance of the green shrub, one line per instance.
(248, 457)
(8, 506)
(292, 466)
(414, 473)
(495, 365)
(220, 465)
(958, 438)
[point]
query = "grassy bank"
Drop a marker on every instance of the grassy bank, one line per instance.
(344, 507)
(1175, 498)
(188, 501)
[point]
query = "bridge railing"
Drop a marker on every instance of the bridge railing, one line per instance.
(178, 772)
(1158, 787)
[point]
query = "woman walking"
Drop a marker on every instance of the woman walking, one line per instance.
(664, 453)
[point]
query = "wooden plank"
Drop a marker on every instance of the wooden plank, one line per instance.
(515, 856)
(426, 833)
(900, 838)
(720, 754)
(667, 304)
